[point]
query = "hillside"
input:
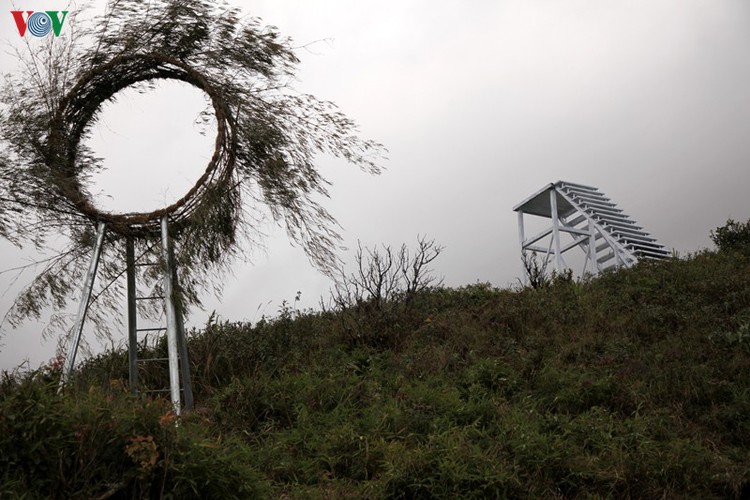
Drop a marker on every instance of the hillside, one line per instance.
(633, 384)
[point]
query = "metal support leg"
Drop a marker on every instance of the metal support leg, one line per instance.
(174, 370)
(83, 307)
(132, 315)
(521, 241)
(595, 268)
(187, 386)
(556, 230)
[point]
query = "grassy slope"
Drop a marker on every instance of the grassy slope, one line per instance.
(635, 384)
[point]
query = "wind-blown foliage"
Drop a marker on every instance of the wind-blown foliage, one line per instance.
(267, 142)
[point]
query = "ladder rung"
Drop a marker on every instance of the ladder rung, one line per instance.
(161, 329)
(152, 297)
(145, 264)
(143, 360)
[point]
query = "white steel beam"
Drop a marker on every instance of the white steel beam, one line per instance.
(174, 369)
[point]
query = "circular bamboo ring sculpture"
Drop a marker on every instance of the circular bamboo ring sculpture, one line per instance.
(79, 107)
(264, 165)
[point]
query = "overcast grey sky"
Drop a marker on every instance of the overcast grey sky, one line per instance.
(480, 104)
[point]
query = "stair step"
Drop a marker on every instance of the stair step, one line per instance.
(606, 202)
(597, 209)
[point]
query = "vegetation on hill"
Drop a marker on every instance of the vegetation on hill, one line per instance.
(632, 384)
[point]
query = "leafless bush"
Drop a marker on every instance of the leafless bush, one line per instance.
(536, 270)
(379, 293)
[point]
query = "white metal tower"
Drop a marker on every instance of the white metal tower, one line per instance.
(583, 217)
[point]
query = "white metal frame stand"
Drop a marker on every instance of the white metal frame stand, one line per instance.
(609, 237)
(180, 387)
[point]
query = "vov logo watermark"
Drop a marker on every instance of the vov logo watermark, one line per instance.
(39, 23)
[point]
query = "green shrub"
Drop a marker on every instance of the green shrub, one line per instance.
(110, 443)
(630, 385)
(732, 236)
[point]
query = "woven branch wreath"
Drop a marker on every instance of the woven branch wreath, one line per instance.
(268, 141)
(101, 84)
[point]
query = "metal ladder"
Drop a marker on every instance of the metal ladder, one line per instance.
(180, 388)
